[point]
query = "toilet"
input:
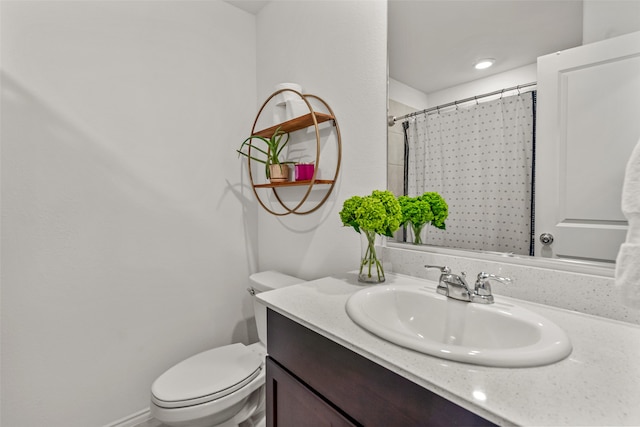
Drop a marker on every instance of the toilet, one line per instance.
(224, 386)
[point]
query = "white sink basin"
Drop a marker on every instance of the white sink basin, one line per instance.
(499, 334)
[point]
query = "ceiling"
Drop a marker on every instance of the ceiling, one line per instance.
(433, 44)
(251, 6)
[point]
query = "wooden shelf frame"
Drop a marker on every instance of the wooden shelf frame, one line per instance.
(295, 183)
(295, 124)
(312, 119)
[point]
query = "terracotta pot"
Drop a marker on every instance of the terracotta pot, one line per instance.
(279, 173)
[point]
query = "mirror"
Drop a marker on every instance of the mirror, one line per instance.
(424, 42)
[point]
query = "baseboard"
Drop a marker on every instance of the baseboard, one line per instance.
(132, 420)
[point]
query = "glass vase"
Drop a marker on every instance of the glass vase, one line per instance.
(417, 233)
(371, 269)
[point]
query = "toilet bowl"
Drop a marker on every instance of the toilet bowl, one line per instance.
(224, 386)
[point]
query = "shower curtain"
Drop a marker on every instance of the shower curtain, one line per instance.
(480, 159)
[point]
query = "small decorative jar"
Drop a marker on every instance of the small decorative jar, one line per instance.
(304, 171)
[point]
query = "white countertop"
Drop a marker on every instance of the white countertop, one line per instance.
(598, 384)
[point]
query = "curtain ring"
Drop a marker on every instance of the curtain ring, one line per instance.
(518, 87)
(476, 98)
(501, 93)
(438, 108)
(456, 104)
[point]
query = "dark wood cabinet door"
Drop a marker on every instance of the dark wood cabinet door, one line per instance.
(369, 394)
(291, 404)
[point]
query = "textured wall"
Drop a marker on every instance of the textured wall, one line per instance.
(123, 236)
(336, 50)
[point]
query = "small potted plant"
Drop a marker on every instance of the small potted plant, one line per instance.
(275, 169)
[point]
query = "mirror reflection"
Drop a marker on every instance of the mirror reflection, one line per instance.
(475, 136)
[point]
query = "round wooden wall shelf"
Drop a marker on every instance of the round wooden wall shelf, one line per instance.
(313, 118)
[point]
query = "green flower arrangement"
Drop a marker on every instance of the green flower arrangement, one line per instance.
(378, 213)
(429, 208)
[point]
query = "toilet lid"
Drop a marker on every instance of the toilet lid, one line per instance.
(206, 376)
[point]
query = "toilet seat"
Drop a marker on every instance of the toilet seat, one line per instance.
(207, 376)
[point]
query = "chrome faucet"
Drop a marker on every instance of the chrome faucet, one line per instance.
(452, 285)
(455, 286)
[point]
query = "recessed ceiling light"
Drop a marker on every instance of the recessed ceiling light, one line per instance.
(484, 63)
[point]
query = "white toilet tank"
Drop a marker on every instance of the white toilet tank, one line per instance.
(262, 282)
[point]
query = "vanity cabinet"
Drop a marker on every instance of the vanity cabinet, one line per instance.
(313, 381)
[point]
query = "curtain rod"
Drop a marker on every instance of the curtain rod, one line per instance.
(393, 119)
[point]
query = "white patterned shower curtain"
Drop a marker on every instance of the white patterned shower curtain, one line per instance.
(480, 160)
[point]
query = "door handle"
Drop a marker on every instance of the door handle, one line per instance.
(546, 238)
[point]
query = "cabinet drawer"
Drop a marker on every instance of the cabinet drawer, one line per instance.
(369, 393)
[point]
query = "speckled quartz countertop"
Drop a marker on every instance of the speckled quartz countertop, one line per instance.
(598, 384)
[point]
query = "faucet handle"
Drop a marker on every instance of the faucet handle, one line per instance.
(482, 290)
(443, 269)
(484, 277)
(444, 272)
(452, 285)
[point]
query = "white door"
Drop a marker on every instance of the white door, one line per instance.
(588, 122)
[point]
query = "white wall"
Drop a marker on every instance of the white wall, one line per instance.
(604, 19)
(125, 221)
(511, 78)
(314, 45)
(407, 95)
